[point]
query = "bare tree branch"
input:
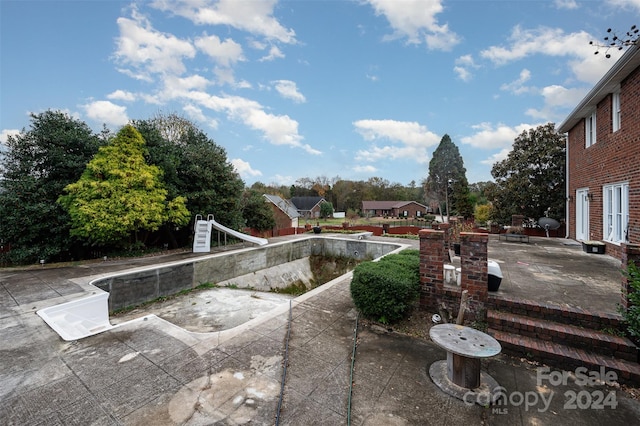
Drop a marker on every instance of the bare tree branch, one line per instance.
(613, 41)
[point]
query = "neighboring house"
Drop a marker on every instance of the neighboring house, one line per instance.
(393, 208)
(308, 207)
(284, 213)
(603, 158)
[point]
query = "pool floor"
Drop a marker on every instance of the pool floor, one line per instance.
(209, 310)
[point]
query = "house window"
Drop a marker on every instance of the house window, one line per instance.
(615, 200)
(590, 130)
(615, 110)
(418, 213)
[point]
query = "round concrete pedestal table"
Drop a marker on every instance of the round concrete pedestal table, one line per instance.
(460, 374)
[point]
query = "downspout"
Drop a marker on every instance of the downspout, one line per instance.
(566, 180)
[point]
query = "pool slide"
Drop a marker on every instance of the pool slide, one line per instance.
(202, 238)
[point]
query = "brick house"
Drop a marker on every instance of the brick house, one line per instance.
(393, 209)
(308, 207)
(284, 213)
(603, 158)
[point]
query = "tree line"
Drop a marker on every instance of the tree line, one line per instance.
(529, 182)
(67, 192)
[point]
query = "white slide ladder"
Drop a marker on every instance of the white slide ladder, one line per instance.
(202, 237)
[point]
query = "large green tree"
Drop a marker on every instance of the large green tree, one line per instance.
(119, 197)
(194, 167)
(35, 167)
(447, 180)
(532, 177)
(256, 212)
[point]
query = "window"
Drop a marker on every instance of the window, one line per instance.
(590, 130)
(615, 206)
(615, 110)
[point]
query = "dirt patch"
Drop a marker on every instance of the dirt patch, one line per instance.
(327, 268)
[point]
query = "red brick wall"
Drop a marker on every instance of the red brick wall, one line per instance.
(282, 219)
(473, 258)
(615, 157)
(412, 210)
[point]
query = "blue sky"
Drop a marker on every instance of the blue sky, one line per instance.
(305, 88)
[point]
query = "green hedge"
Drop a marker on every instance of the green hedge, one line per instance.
(385, 290)
(632, 314)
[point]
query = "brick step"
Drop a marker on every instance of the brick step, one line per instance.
(555, 312)
(569, 335)
(566, 357)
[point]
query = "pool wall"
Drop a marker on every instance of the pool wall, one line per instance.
(136, 287)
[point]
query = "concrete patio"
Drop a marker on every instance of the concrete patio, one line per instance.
(153, 372)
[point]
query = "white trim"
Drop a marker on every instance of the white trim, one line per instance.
(590, 134)
(615, 111)
(615, 212)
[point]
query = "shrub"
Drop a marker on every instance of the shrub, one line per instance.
(631, 315)
(482, 212)
(407, 259)
(384, 291)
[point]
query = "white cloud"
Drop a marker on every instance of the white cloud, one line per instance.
(194, 112)
(225, 53)
(566, 4)
(278, 180)
(255, 17)
(625, 4)
(106, 112)
(148, 51)
(410, 140)
(463, 65)
(5, 133)
(407, 132)
(289, 90)
(274, 53)
(178, 87)
(498, 156)
(556, 98)
(489, 136)
(463, 73)
(244, 168)
(586, 66)
(416, 20)
(365, 169)
(517, 87)
(277, 129)
(121, 95)
(560, 96)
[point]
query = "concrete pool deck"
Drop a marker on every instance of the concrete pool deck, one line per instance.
(153, 372)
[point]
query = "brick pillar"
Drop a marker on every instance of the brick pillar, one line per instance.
(446, 227)
(431, 267)
(629, 252)
(473, 260)
(517, 220)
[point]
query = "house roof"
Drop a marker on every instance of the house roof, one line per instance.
(288, 208)
(607, 84)
(387, 205)
(306, 203)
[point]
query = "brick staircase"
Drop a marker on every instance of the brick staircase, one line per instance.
(563, 337)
